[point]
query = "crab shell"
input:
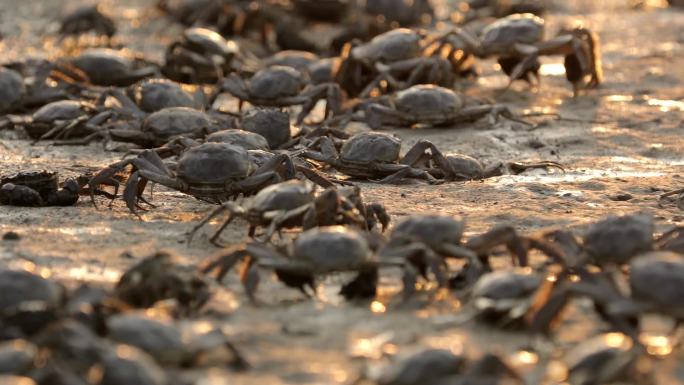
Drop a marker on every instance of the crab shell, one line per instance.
(156, 94)
(271, 123)
(426, 367)
(466, 165)
(371, 147)
(299, 60)
(618, 239)
(174, 121)
(21, 287)
(275, 82)
(245, 139)
(332, 248)
(207, 41)
(16, 356)
(12, 88)
(62, 110)
(397, 44)
(161, 340)
(434, 230)
(287, 195)
(103, 66)
(214, 163)
(498, 292)
(657, 278)
(598, 356)
(428, 102)
(500, 36)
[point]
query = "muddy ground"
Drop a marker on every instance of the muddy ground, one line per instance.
(621, 141)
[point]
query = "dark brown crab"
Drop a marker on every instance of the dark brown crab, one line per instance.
(517, 40)
(200, 56)
(158, 277)
(463, 167)
(37, 188)
(317, 251)
(371, 155)
(64, 119)
(296, 203)
(85, 19)
(280, 86)
(654, 281)
(215, 171)
(439, 366)
(430, 105)
(106, 67)
(396, 58)
(441, 235)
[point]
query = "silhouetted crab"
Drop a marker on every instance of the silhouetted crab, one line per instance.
(654, 281)
(106, 67)
(215, 171)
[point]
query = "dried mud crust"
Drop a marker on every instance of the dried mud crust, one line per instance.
(622, 146)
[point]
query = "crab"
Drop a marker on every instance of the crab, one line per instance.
(152, 95)
(517, 41)
(37, 188)
(654, 281)
(395, 55)
(440, 366)
(87, 18)
(605, 359)
(371, 155)
(200, 56)
(159, 129)
(64, 119)
(170, 345)
(215, 171)
(430, 105)
(106, 67)
(30, 302)
(442, 235)
(280, 86)
(463, 167)
(271, 123)
(12, 89)
(317, 251)
(610, 242)
(157, 278)
(295, 203)
(245, 139)
(504, 297)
